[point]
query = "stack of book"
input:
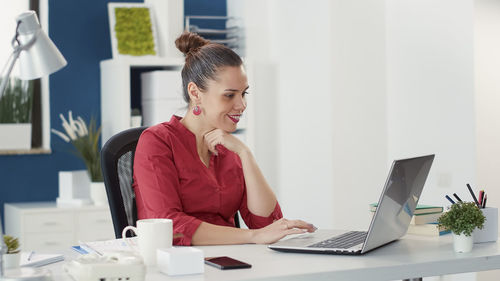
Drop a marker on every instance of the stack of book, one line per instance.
(424, 220)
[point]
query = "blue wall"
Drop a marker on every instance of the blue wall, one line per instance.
(80, 29)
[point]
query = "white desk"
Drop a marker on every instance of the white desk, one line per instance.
(412, 256)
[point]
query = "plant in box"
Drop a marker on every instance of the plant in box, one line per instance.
(12, 257)
(85, 139)
(15, 115)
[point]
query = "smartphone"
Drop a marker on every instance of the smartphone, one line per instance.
(226, 263)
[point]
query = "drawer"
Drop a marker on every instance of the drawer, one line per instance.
(48, 242)
(94, 225)
(48, 222)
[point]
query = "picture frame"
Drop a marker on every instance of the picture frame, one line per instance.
(133, 30)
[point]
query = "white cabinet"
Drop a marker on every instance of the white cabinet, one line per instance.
(117, 80)
(42, 226)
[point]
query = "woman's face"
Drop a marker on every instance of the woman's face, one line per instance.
(224, 101)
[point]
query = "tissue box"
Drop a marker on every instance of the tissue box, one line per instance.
(74, 188)
(180, 260)
(489, 233)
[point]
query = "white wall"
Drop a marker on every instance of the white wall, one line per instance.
(487, 88)
(430, 90)
(348, 86)
(317, 89)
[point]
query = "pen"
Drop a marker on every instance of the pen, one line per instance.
(484, 201)
(458, 198)
(31, 255)
(449, 199)
(473, 196)
(481, 198)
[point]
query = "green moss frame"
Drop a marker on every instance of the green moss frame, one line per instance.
(134, 31)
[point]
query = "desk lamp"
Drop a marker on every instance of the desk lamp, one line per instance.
(38, 57)
(37, 54)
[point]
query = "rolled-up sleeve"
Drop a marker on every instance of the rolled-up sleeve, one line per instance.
(156, 185)
(254, 221)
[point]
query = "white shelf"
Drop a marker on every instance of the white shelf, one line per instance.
(115, 90)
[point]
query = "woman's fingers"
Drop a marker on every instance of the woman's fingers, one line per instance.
(301, 225)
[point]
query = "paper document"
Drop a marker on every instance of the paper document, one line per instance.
(38, 259)
(113, 245)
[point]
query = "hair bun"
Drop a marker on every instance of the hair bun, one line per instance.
(189, 42)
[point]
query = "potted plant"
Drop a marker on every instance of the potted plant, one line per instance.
(462, 219)
(12, 257)
(15, 115)
(85, 140)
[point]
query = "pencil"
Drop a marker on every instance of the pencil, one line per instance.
(473, 196)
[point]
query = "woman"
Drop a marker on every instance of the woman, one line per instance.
(193, 171)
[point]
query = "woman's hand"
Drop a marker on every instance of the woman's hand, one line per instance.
(218, 136)
(280, 229)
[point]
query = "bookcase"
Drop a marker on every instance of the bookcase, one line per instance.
(120, 89)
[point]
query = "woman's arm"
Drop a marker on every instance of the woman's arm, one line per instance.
(210, 234)
(261, 200)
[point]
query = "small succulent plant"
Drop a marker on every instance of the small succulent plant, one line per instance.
(12, 244)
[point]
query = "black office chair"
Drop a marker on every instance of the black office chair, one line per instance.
(117, 163)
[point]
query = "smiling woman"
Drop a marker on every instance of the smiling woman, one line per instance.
(194, 171)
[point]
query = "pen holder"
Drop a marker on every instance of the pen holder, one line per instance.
(489, 233)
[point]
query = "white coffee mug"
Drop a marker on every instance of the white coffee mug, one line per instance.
(151, 234)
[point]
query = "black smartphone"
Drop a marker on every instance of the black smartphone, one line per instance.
(226, 263)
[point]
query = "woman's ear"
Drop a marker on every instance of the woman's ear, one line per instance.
(194, 92)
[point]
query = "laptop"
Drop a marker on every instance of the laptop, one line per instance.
(390, 222)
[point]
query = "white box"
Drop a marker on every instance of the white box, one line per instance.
(161, 84)
(161, 96)
(74, 185)
(180, 260)
(489, 233)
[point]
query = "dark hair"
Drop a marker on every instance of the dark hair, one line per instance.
(203, 60)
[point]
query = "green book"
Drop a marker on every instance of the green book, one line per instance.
(421, 209)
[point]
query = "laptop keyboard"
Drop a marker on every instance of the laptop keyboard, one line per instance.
(343, 241)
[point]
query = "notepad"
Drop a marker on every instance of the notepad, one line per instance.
(38, 260)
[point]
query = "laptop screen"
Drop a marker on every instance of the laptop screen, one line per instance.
(398, 201)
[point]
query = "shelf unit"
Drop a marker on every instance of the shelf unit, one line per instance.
(117, 77)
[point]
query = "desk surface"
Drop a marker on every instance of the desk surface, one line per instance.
(409, 257)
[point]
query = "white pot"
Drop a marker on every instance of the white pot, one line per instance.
(462, 243)
(98, 193)
(11, 260)
(15, 136)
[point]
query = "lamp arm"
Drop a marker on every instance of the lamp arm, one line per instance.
(18, 48)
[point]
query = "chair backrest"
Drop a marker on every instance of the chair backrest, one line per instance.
(117, 163)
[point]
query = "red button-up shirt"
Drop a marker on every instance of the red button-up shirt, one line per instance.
(171, 181)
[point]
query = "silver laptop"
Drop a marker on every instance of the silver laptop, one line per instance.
(390, 222)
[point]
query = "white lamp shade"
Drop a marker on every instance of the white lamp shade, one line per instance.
(42, 57)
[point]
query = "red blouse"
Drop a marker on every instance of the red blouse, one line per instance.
(171, 181)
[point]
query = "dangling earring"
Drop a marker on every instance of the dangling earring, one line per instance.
(196, 110)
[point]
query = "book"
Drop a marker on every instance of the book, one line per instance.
(429, 229)
(425, 218)
(421, 209)
(38, 259)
